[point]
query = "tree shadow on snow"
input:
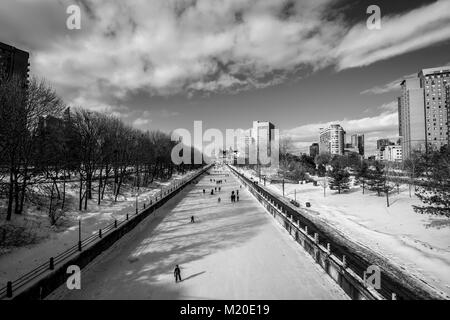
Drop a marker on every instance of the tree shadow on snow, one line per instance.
(159, 246)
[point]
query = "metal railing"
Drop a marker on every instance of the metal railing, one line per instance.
(35, 274)
(392, 286)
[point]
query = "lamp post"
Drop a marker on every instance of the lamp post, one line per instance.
(79, 233)
(137, 190)
(137, 201)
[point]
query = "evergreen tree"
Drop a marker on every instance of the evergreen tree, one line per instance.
(321, 170)
(297, 171)
(376, 179)
(362, 173)
(339, 179)
(435, 192)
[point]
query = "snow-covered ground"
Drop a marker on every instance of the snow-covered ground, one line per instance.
(233, 251)
(420, 244)
(19, 260)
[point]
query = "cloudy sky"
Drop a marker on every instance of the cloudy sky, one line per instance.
(161, 64)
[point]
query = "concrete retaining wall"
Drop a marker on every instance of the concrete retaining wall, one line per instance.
(349, 281)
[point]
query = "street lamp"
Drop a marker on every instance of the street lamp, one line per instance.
(137, 192)
(79, 233)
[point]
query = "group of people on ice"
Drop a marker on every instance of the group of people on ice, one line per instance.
(234, 198)
(234, 194)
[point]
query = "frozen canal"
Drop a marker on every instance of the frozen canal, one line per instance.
(233, 251)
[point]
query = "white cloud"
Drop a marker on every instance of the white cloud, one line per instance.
(168, 114)
(399, 34)
(388, 87)
(143, 121)
(172, 46)
(389, 107)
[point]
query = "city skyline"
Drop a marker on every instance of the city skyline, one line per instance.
(223, 151)
(165, 84)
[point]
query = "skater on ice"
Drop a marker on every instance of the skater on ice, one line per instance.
(192, 219)
(177, 274)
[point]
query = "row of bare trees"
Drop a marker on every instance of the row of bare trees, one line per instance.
(44, 145)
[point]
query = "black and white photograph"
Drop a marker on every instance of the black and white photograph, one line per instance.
(225, 155)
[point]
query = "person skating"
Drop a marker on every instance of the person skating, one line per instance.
(218, 200)
(237, 197)
(177, 274)
(212, 191)
(220, 189)
(203, 191)
(192, 219)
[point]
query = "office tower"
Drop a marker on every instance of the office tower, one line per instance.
(412, 116)
(13, 61)
(248, 145)
(263, 137)
(357, 141)
(332, 140)
(314, 150)
(399, 108)
(434, 82)
(354, 140)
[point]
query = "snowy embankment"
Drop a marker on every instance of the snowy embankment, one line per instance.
(417, 244)
(51, 240)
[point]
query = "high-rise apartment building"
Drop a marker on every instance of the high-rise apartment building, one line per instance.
(424, 111)
(447, 98)
(332, 140)
(13, 61)
(411, 116)
(399, 103)
(434, 82)
(262, 135)
(392, 153)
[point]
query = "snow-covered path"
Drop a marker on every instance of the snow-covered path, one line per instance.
(233, 251)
